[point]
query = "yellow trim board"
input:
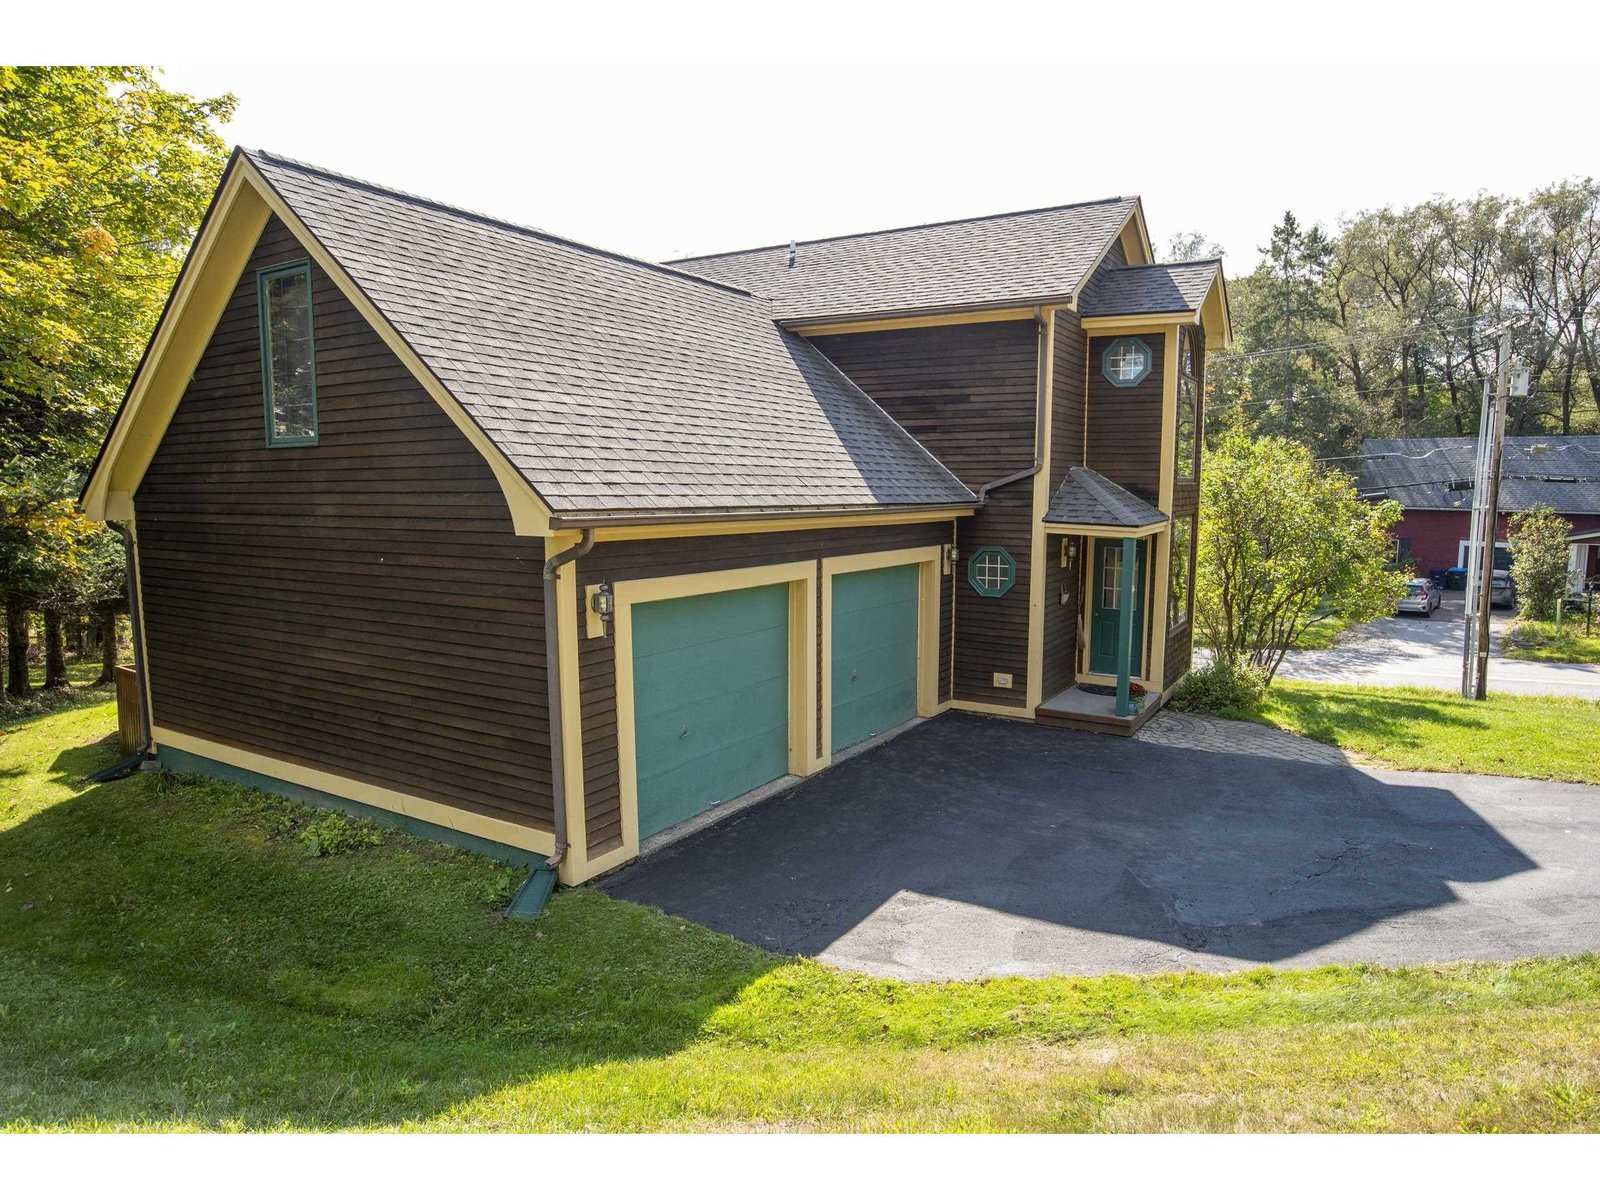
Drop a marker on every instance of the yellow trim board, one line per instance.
(1106, 531)
(505, 832)
(575, 867)
(1161, 543)
(929, 585)
(743, 525)
(1033, 689)
(1017, 712)
(925, 321)
(802, 580)
(1140, 323)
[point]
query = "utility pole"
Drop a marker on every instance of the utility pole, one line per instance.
(1474, 563)
(1486, 510)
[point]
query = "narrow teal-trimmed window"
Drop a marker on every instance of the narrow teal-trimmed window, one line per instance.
(288, 354)
(991, 571)
(1126, 362)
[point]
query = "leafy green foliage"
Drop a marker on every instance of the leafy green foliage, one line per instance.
(1538, 541)
(1387, 326)
(104, 175)
(1221, 686)
(1283, 544)
(334, 833)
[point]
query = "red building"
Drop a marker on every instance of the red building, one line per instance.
(1432, 478)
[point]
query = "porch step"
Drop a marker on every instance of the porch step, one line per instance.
(1077, 709)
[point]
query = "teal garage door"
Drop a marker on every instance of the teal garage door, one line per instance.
(874, 652)
(710, 700)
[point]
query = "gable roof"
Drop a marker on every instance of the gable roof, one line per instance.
(615, 388)
(1150, 288)
(1086, 497)
(1564, 474)
(1009, 260)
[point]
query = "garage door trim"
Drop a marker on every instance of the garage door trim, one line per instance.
(930, 559)
(802, 580)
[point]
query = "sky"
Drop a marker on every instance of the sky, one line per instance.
(671, 130)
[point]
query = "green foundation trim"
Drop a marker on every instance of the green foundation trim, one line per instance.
(182, 762)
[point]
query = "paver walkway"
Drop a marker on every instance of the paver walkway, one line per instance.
(1193, 731)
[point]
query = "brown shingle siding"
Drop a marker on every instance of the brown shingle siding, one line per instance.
(360, 606)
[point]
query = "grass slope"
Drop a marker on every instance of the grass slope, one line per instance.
(1529, 737)
(172, 956)
(1541, 641)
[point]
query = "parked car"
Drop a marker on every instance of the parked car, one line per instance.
(1421, 597)
(1502, 591)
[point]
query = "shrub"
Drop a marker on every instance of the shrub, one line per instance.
(1219, 687)
(1283, 542)
(334, 833)
(1538, 540)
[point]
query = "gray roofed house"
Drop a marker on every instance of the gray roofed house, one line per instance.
(1149, 288)
(1552, 470)
(1011, 259)
(554, 553)
(613, 385)
(1086, 497)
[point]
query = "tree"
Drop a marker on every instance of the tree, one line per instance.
(42, 538)
(1191, 247)
(1538, 540)
(1284, 543)
(104, 176)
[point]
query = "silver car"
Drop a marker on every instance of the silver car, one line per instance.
(1502, 592)
(1422, 596)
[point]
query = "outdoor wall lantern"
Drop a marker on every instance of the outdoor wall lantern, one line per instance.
(603, 603)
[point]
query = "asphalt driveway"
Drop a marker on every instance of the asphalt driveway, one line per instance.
(974, 846)
(1426, 652)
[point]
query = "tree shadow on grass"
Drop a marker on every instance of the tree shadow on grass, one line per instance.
(170, 954)
(1332, 714)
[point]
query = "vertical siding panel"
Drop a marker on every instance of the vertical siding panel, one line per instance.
(1066, 450)
(360, 606)
(1124, 426)
(969, 394)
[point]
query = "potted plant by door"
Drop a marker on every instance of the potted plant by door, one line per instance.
(1136, 696)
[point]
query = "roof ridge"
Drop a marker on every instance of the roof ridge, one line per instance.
(1187, 262)
(499, 222)
(845, 237)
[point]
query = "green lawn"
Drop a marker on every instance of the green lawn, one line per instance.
(173, 957)
(1541, 641)
(1531, 737)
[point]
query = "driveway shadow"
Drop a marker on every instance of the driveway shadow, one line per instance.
(973, 846)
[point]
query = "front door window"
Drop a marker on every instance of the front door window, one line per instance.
(1111, 574)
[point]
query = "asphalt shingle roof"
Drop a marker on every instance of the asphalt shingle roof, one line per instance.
(614, 386)
(1008, 259)
(1086, 497)
(1154, 288)
(1417, 472)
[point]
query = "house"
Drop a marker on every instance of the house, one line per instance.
(1432, 479)
(546, 550)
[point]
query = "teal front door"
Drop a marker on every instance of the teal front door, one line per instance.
(874, 663)
(1105, 607)
(710, 700)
